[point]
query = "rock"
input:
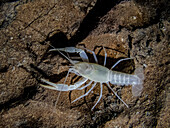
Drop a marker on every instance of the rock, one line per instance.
(125, 29)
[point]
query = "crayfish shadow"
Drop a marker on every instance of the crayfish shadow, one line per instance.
(57, 77)
(80, 104)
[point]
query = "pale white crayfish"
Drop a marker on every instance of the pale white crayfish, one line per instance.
(97, 74)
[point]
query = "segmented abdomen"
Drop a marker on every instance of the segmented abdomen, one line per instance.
(119, 78)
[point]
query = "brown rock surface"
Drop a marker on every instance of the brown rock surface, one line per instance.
(136, 28)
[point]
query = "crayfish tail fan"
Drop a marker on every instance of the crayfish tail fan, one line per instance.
(137, 88)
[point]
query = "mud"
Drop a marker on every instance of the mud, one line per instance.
(136, 28)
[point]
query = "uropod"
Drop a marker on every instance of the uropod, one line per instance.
(96, 73)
